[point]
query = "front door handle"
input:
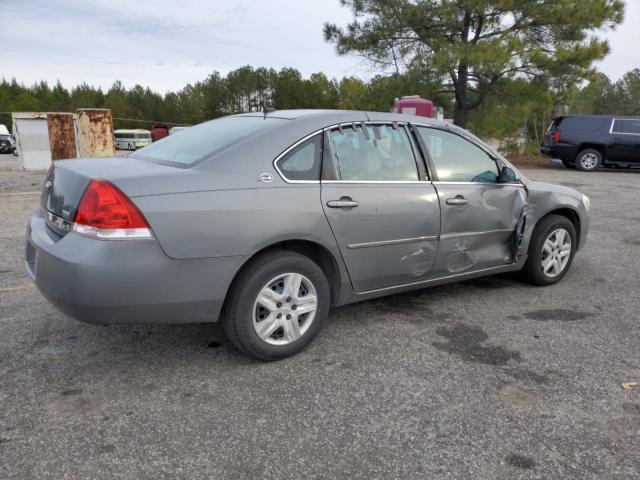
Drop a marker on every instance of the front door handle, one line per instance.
(344, 202)
(457, 200)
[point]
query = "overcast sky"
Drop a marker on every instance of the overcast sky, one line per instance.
(166, 44)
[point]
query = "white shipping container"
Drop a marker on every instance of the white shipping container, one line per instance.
(32, 137)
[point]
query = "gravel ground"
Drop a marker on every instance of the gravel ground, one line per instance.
(486, 379)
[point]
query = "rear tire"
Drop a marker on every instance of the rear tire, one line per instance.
(268, 296)
(551, 250)
(588, 160)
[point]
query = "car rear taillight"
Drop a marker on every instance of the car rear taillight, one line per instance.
(105, 212)
(555, 137)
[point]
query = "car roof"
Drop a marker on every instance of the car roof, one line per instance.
(340, 116)
(620, 117)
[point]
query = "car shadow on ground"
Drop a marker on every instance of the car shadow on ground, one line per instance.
(146, 343)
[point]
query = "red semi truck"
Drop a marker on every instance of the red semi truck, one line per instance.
(158, 131)
(413, 105)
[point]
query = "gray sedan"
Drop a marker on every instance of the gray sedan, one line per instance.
(266, 220)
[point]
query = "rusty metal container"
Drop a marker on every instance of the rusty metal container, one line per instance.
(62, 135)
(95, 133)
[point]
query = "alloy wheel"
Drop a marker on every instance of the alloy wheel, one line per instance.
(556, 252)
(285, 309)
(589, 161)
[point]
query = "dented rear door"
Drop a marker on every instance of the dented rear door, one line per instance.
(385, 218)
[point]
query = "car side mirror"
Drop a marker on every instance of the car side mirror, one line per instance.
(507, 175)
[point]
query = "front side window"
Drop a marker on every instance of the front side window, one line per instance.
(303, 162)
(379, 153)
(457, 159)
(627, 126)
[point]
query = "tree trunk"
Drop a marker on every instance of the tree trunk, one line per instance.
(459, 114)
(460, 85)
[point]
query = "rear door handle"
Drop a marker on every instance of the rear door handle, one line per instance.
(344, 202)
(457, 200)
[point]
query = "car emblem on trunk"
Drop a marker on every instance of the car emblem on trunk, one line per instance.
(265, 178)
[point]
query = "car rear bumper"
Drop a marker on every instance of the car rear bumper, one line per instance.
(124, 281)
(562, 152)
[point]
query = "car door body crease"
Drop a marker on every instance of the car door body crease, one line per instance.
(393, 242)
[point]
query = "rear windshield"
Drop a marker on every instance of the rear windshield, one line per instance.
(199, 142)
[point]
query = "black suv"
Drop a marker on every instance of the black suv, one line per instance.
(587, 142)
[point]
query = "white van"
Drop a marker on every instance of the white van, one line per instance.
(132, 139)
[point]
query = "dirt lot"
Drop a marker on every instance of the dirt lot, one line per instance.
(486, 379)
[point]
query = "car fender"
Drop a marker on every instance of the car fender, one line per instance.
(546, 198)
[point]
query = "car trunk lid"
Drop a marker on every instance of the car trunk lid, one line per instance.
(67, 180)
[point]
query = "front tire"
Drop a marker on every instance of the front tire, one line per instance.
(551, 250)
(588, 160)
(277, 305)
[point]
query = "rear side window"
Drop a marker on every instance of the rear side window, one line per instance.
(627, 126)
(457, 159)
(379, 153)
(582, 124)
(303, 162)
(201, 141)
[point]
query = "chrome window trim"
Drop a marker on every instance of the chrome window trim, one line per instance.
(366, 122)
(511, 184)
(279, 157)
(380, 122)
(342, 182)
(620, 133)
(400, 241)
